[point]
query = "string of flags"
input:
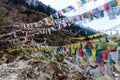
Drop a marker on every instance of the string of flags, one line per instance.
(93, 51)
(57, 24)
(49, 30)
(84, 18)
(97, 13)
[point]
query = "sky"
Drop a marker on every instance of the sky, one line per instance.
(57, 4)
(98, 24)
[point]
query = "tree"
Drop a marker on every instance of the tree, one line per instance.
(17, 1)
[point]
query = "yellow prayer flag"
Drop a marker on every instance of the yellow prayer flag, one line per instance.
(51, 17)
(78, 45)
(90, 36)
(117, 67)
(103, 39)
(96, 40)
(118, 2)
(93, 52)
(82, 60)
(89, 0)
(67, 9)
(72, 49)
(93, 59)
(75, 45)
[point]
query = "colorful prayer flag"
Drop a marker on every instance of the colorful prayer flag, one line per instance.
(51, 17)
(67, 9)
(113, 3)
(118, 2)
(60, 13)
(89, 0)
(56, 16)
(79, 4)
(64, 11)
(84, 1)
(71, 7)
(106, 6)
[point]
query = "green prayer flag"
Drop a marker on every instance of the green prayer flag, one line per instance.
(51, 17)
(110, 60)
(74, 24)
(119, 52)
(113, 3)
(64, 11)
(100, 46)
(119, 43)
(84, 1)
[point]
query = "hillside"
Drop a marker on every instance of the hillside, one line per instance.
(13, 11)
(30, 58)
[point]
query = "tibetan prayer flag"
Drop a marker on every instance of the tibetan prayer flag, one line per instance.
(60, 13)
(89, 0)
(82, 60)
(95, 0)
(89, 44)
(34, 25)
(49, 31)
(116, 11)
(119, 43)
(84, 1)
(44, 21)
(89, 52)
(117, 67)
(64, 11)
(106, 6)
(100, 8)
(113, 3)
(81, 17)
(100, 46)
(103, 39)
(105, 54)
(81, 53)
(67, 9)
(48, 19)
(101, 14)
(86, 15)
(71, 7)
(51, 17)
(110, 60)
(56, 16)
(118, 2)
(95, 10)
(93, 52)
(74, 45)
(74, 24)
(110, 14)
(78, 60)
(79, 4)
(77, 53)
(72, 49)
(99, 53)
(98, 59)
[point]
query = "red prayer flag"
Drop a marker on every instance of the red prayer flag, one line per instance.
(60, 13)
(79, 4)
(105, 54)
(81, 53)
(106, 6)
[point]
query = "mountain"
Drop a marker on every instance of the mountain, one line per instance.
(27, 11)
(36, 5)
